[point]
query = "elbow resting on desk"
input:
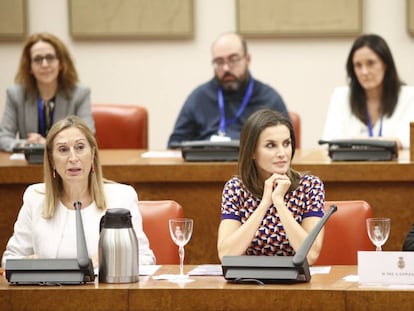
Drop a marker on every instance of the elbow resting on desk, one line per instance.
(316, 249)
(313, 255)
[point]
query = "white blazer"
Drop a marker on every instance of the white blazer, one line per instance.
(342, 124)
(56, 237)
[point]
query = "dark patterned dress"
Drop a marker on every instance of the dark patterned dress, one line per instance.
(270, 239)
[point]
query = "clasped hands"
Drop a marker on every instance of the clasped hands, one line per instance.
(275, 188)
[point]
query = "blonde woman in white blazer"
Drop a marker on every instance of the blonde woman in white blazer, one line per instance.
(45, 226)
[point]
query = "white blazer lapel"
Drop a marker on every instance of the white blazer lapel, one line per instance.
(48, 245)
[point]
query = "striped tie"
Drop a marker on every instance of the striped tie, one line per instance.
(48, 105)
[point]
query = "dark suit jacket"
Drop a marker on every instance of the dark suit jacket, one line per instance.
(21, 113)
(409, 240)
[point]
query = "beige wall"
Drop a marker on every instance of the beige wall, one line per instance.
(160, 74)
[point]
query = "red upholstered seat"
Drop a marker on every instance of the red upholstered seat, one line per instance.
(155, 216)
(120, 126)
(345, 233)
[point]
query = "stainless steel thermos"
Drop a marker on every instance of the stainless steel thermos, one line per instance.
(118, 248)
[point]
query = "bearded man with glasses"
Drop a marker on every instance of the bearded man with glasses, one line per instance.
(217, 109)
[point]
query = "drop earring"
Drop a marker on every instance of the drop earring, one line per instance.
(54, 173)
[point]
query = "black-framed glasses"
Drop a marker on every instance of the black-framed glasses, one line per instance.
(231, 62)
(49, 58)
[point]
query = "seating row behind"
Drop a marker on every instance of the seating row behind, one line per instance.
(121, 126)
(345, 231)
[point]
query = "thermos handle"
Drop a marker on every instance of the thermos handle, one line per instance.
(101, 223)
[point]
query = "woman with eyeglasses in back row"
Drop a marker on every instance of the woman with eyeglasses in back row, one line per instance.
(47, 89)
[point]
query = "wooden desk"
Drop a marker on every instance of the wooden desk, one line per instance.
(324, 292)
(387, 186)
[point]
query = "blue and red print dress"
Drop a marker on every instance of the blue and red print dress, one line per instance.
(270, 239)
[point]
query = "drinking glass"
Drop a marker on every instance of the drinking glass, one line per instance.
(181, 230)
(378, 231)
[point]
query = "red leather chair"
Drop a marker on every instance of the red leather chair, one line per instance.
(155, 216)
(295, 118)
(345, 233)
(120, 126)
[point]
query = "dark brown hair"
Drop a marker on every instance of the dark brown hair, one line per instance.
(251, 130)
(391, 83)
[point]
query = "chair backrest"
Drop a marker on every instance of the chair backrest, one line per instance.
(345, 233)
(120, 126)
(295, 118)
(155, 216)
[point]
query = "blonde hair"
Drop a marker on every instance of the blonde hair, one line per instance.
(53, 182)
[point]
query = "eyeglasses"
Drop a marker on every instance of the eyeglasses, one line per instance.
(49, 58)
(231, 62)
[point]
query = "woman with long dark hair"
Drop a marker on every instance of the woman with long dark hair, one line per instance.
(376, 103)
(269, 209)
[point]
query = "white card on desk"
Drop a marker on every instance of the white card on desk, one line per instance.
(386, 267)
(219, 138)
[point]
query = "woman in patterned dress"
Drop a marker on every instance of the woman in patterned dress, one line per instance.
(269, 209)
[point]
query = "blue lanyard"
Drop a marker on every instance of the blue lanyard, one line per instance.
(370, 129)
(223, 122)
(42, 124)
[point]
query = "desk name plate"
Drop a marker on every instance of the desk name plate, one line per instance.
(388, 268)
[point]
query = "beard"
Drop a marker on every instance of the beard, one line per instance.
(230, 83)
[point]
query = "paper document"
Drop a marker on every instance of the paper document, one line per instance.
(320, 270)
(162, 154)
(148, 269)
(207, 270)
(17, 156)
(351, 278)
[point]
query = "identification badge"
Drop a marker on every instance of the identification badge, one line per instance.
(219, 138)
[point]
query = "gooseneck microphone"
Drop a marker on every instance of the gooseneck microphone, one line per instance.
(274, 269)
(82, 251)
(52, 271)
(300, 256)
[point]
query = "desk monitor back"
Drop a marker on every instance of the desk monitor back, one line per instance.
(54, 271)
(207, 151)
(33, 153)
(274, 269)
(361, 149)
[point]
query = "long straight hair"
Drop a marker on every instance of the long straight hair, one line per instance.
(249, 135)
(54, 183)
(390, 86)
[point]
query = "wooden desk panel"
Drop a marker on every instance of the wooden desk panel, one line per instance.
(323, 292)
(214, 293)
(204, 293)
(64, 298)
(378, 299)
(387, 186)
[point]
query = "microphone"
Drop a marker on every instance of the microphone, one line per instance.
(300, 256)
(82, 251)
(53, 271)
(274, 269)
